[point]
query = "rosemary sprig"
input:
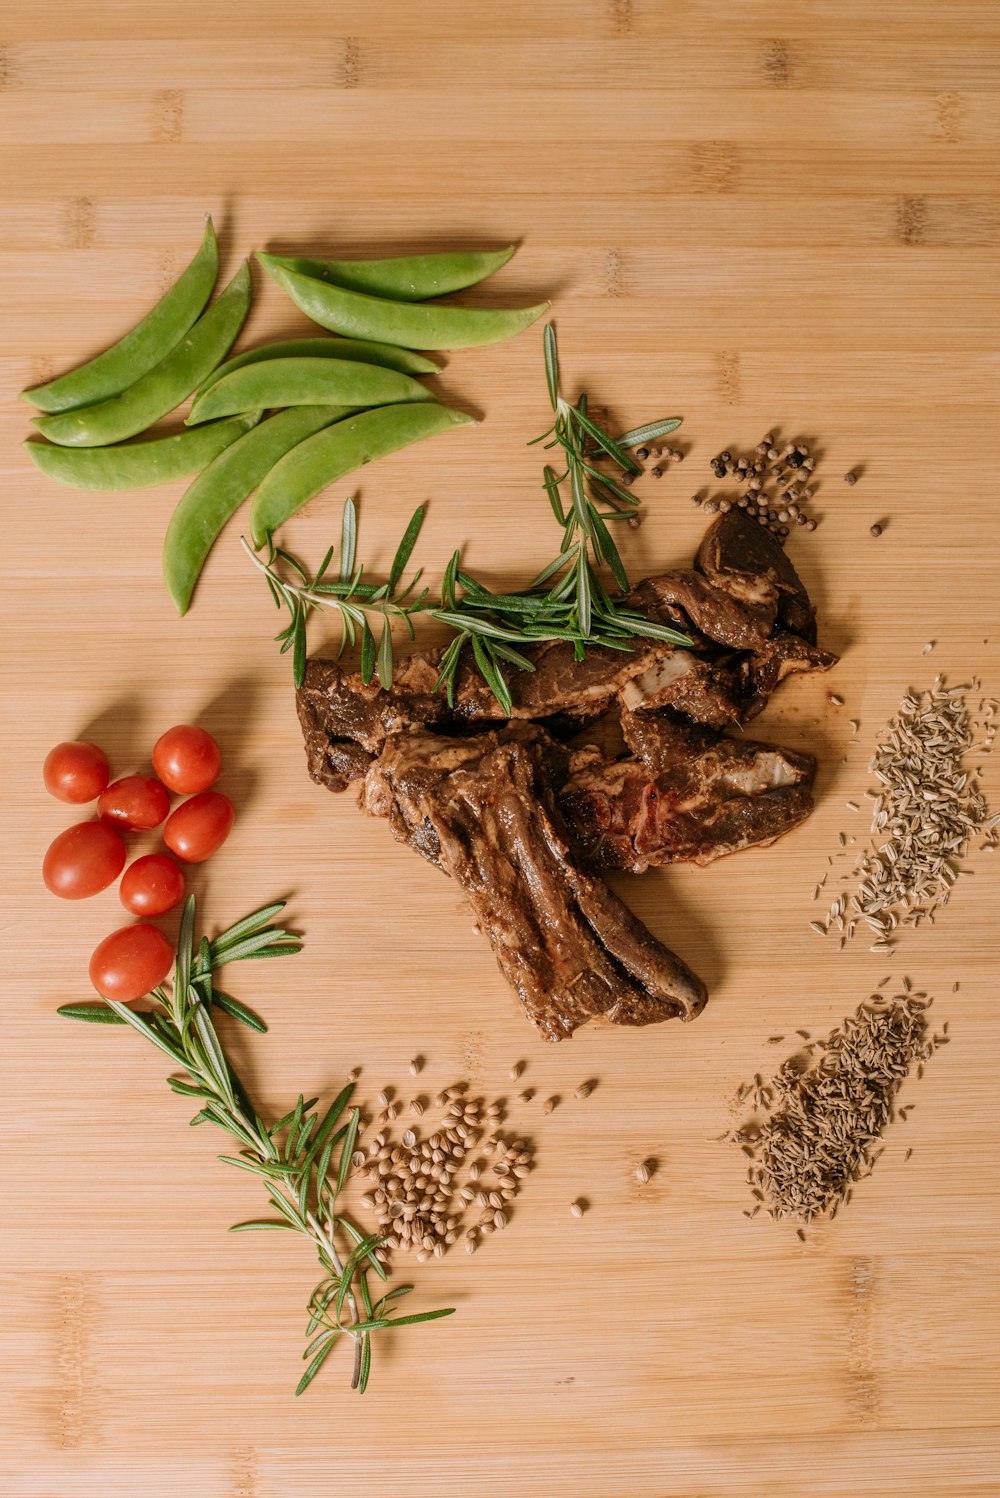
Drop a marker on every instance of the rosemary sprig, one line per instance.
(567, 601)
(303, 1159)
(353, 598)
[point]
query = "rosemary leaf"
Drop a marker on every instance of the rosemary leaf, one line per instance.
(92, 1014)
(233, 1007)
(316, 1364)
(348, 540)
(648, 433)
(405, 548)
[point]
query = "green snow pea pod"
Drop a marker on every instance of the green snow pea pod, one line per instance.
(404, 278)
(331, 454)
(142, 349)
(306, 382)
(218, 492)
(426, 325)
(137, 465)
(164, 387)
(358, 349)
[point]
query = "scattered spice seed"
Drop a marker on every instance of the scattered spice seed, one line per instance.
(850, 477)
(584, 1090)
(416, 1066)
(876, 530)
(549, 1104)
(642, 1172)
(834, 700)
(577, 1208)
(516, 1070)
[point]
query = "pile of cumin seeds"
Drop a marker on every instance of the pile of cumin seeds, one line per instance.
(819, 1120)
(927, 808)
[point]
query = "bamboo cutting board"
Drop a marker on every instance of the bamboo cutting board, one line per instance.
(778, 214)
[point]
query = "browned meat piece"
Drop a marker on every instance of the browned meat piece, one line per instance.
(688, 796)
(345, 723)
(738, 618)
(569, 947)
(738, 554)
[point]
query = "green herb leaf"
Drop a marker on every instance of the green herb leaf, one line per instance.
(648, 433)
(233, 1007)
(316, 1364)
(92, 1014)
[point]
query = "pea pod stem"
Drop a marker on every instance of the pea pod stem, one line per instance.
(419, 325)
(306, 382)
(404, 278)
(163, 388)
(141, 349)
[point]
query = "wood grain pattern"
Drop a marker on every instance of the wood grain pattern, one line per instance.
(783, 212)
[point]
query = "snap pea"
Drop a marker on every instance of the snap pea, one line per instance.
(138, 465)
(306, 382)
(218, 492)
(142, 349)
(164, 387)
(410, 324)
(360, 349)
(404, 278)
(331, 454)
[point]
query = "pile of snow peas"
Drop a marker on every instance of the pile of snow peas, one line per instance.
(335, 403)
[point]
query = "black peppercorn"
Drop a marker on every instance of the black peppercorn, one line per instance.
(656, 471)
(876, 530)
(796, 459)
(851, 478)
(642, 454)
(720, 472)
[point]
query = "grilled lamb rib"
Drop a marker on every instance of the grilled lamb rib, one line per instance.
(686, 795)
(482, 809)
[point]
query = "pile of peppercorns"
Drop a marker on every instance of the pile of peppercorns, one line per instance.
(778, 484)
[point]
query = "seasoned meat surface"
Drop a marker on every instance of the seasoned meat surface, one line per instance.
(568, 947)
(686, 795)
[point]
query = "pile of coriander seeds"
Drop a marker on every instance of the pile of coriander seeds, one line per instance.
(425, 1187)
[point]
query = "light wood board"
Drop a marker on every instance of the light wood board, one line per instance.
(779, 213)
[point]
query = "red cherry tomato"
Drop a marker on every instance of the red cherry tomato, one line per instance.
(83, 860)
(130, 962)
(152, 885)
(76, 772)
(187, 759)
(134, 802)
(198, 828)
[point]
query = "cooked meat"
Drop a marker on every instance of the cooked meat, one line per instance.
(687, 795)
(715, 613)
(780, 656)
(569, 947)
(705, 692)
(739, 555)
(476, 794)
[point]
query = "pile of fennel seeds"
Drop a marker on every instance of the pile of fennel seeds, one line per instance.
(927, 807)
(818, 1123)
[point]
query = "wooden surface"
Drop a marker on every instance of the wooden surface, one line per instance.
(782, 212)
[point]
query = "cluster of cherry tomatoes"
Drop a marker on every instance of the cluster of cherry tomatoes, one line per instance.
(87, 858)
